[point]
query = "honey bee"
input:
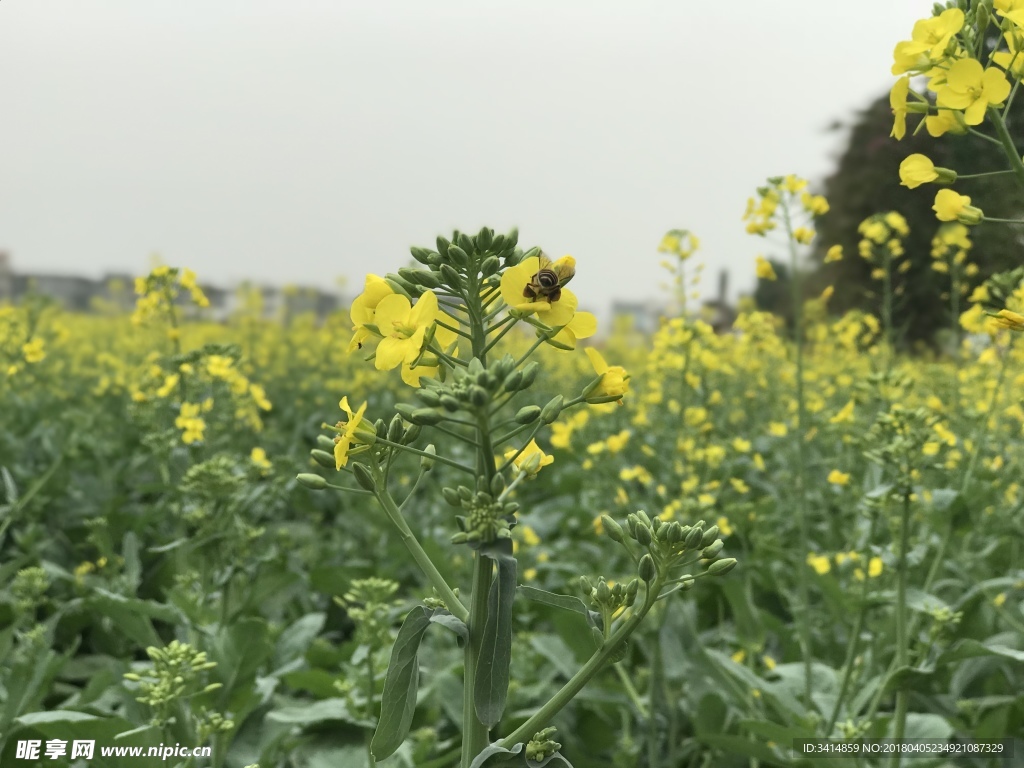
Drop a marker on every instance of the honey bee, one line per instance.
(550, 278)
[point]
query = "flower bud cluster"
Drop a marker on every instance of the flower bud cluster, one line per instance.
(369, 603)
(488, 517)
(542, 746)
(175, 674)
(609, 598)
(470, 389)
(668, 542)
(456, 261)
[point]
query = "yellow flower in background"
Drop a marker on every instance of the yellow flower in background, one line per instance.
(764, 269)
(258, 456)
(803, 235)
(835, 253)
(33, 351)
(845, 414)
(724, 526)
(190, 423)
(404, 327)
(875, 568)
(820, 563)
(838, 478)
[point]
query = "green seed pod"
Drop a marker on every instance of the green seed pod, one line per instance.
(479, 396)
(325, 442)
(647, 570)
(429, 397)
(550, 411)
(313, 482)
(422, 255)
(489, 266)
(426, 417)
(323, 458)
(451, 496)
(693, 538)
(711, 552)
(427, 462)
(527, 414)
(363, 476)
(643, 535)
(721, 567)
(483, 238)
(497, 484)
(611, 528)
(710, 535)
(396, 429)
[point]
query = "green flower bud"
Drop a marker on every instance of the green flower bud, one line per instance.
(396, 429)
(529, 374)
(411, 433)
(324, 442)
(483, 238)
(693, 538)
(323, 458)
(550, 411)
(458, 256)
(647, 570)
(512, 238)
(643, 535)
(405, 410)
(450, 276)
(490, 266)
(710, 535)
(675, 533)
(598, 636)
(612, 528)
(585, 586)
(711, 552)
(497, 484)
(450, 403)
(380, 429)
(363, 476)
(460, 538)
(512, 381)
(429, 397)
(426, 417)
(527, 414)
(422, 255)
(426, 462)
(479, 396)
(442, 245)
(631, 591)
(603, 592)
(451, 496)
(486, 380)
(499, 244)
(464, 493)
(465, 242)
(720, 567)
(402, 286)
(313, 482)
(644, 518)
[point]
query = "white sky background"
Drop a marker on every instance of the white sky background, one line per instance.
(306, 140)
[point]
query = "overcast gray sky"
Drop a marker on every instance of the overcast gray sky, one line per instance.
(301, 141)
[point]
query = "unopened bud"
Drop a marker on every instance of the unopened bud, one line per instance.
(427, 462)
(363, 476)
(458, 256)
(425, 417)
(643, 535)
(585, 585)
(323, 458)
(396, 429)
(529, 374)
(324, 442)
(612, 528)
(693, 538)
(528, 414)
(489, 266)
(710, 535)
(497, 484)
(313, 482)
(422, 255)
(711, 552)
(647, 570)
(603, 592)
(550, 411)
(720, 567)
(512, 381)
(451, 496)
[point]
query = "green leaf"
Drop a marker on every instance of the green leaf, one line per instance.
(738, 745)
(132, 615)
(564, 602)
(554, 649)
(318, 712)
(492, 670)
(398, 702)
(71, 725)
(10, 489)
(240, 651)
(294, 641)
(132, 563)
(969, 649)
(448, 621)
(480, 760)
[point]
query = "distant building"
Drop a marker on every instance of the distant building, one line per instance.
(117, 291)
(640, 316)
(717, 312)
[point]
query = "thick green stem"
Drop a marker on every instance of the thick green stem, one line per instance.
(803, 588)
(1016, 163)
(902, 640)
(475, 735)
(422, 559)
(542, 717)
